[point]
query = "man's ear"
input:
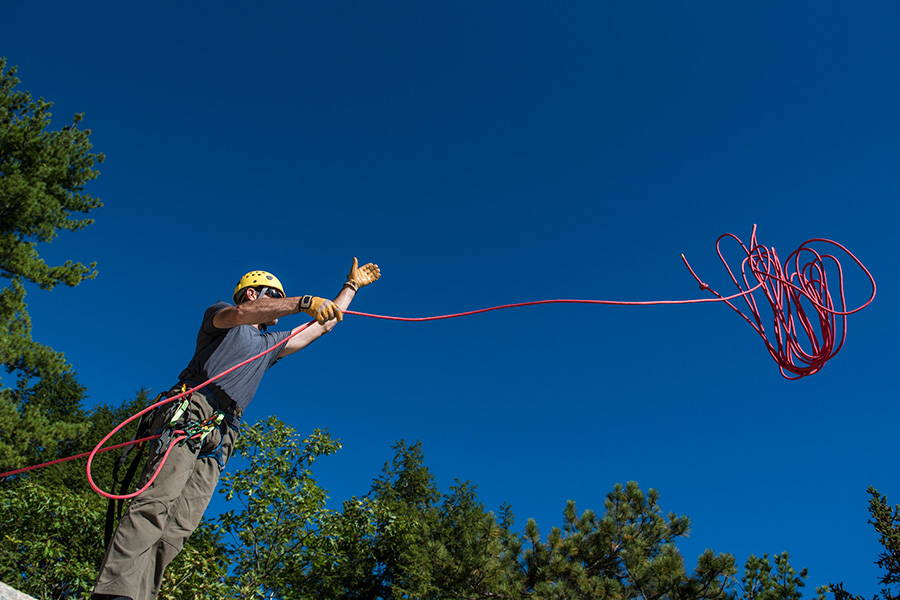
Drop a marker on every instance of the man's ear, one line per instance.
(250, 294)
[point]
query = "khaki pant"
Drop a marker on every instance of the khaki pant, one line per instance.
(157, 523)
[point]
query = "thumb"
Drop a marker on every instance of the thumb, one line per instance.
(355, 265)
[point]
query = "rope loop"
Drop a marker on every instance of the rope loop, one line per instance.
(808, 323)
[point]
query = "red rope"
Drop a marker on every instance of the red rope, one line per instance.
(77, 456)
(536, 302)
(784, 291)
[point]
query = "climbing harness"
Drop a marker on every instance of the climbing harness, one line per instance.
(191, 433)
(798, 297)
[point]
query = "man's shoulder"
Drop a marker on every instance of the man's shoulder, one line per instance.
(217, 306)
(210, 312)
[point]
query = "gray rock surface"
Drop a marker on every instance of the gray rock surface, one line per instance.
(7, 593)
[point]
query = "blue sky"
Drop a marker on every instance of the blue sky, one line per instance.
(485, 153)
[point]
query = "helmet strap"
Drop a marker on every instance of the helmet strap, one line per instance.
(262, 294)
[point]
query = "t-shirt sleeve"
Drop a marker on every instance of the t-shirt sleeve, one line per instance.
(207, 327)
(274, 338)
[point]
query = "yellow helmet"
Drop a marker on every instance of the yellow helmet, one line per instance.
(257, 279)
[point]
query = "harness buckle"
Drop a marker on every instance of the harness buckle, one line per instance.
(180, 409)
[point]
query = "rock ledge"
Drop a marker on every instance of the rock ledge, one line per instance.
(7, 593)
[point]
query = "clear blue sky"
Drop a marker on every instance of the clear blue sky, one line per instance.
(485, 153)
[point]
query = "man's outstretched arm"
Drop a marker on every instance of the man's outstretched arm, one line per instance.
(357, 277)
(261, 310)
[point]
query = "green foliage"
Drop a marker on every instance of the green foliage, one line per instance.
(886, 521)
(42, 178)
(51, 526)
(40, 407)
(281, 533)
(419, 543)
(404, 539)
(407, 540)
(628, 552)
(42, 174)
(48, 545)
(764, 581)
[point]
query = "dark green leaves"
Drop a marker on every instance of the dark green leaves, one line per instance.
(42, 177)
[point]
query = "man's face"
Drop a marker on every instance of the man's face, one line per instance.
(273, 294)
(253, 294)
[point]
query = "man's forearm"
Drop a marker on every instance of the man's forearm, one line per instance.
(345, 297)
(265, 309)
(343, 300)
(261, 310)
(315, 331)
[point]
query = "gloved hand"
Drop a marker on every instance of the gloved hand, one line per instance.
(321, 309)
(362, 276)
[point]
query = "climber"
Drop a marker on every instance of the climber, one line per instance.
(156, 524)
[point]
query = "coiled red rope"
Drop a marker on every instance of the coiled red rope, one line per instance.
(803, 336)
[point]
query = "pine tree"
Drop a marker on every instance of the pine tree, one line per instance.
(51, 523)
(42, 177)
(628, 552)
(886, 521)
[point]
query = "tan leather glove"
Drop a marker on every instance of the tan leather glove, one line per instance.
(362, 276)
(321, 309)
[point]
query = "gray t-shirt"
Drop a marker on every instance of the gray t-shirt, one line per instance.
(218, 349)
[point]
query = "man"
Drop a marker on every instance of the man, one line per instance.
(153, 530)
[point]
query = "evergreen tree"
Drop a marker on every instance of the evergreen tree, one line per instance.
(406, 539)
(764, 580)
(629, 552)
(424, 544)
(51, 523)
(886, 521)
(42, 177)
